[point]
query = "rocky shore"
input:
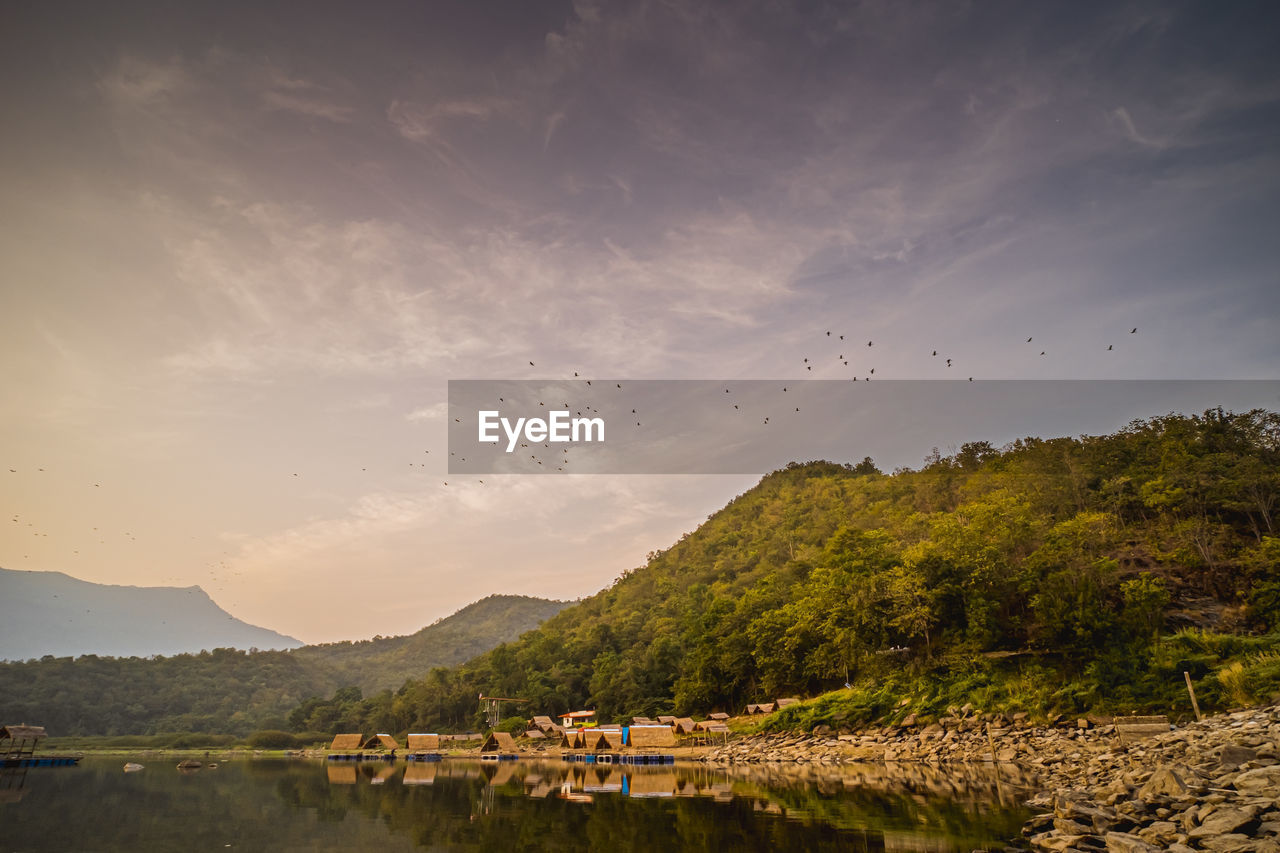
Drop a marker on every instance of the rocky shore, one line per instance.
(1211, 785)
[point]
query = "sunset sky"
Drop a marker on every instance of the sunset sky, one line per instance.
(244, 246)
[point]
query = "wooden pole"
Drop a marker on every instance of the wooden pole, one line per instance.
(1195, 706)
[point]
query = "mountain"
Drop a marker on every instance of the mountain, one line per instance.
(50, 613)
(382, 662)
(235, 692)
(1062, 575)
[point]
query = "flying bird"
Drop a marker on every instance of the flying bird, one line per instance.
(1133, 330)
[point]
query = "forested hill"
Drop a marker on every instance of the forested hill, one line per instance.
(1067, 574)
(235, 692)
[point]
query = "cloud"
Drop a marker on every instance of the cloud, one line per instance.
(1130, 131)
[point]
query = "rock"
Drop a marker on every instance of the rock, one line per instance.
(1264, 780)
(1232, 843)
(1159, 833)
(1224, 822)
(821, 731)
(909, 721)
(1123, 842)
(1082, 723)
(1163, 783)
(1051, 841)
(1234, 754)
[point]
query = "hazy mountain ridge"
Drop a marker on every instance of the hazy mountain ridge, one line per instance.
(230, 691)
(52, 613)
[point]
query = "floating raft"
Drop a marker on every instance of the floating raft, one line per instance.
(495, 756)
(423, 756)
(613, 758)
(44, 761)
(356, 756)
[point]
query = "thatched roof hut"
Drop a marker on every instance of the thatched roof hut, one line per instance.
(666, 719)
(346, 742)
(543, 723)
(498, 742)
(605, 739)
(684, 726)
(423, 742)
(762, 708)
(20, 740)
(641, 721)
(782, 703)
(534, 734)
(718, 715)
(572, 739)
(651, 737)
(381, 741)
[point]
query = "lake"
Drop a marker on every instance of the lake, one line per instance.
(461, 805)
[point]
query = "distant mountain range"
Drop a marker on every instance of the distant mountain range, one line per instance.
(50, 613)
(223, 690)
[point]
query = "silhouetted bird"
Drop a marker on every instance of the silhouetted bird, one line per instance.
(868, 343)
(1028, 340)
(1108, 347)
(1133, 330)
(531, 364)
(935, 352)
(828, 334)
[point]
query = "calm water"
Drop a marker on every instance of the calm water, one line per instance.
(455, 805)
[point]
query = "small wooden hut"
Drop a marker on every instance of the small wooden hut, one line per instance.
(651, 737)
(534, 734)
(381, 741)
(684, 726)
(346, 742)
(666, 719)
(605, 739)
(20, 741)
(423, 742)
(782, 703)
(542, 723)
(719, 716)
(498, 742)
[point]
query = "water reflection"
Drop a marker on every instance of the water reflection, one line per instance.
(904, 806)
(463, 805)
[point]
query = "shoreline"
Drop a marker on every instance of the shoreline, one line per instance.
(1208, 785)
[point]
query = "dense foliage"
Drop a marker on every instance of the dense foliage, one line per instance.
(1066, 574)
(231, 691)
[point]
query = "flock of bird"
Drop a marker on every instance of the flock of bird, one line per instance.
(546, 458)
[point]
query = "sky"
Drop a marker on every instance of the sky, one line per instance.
(245, 246)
